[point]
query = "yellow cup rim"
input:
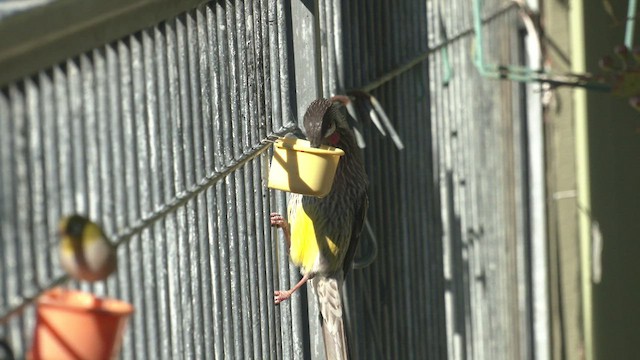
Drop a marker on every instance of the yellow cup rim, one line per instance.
(304, 146)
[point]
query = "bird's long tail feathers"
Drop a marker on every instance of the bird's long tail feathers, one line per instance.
(333, 326)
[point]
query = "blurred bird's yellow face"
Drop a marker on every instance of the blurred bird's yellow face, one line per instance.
(85, 252)
(76, 230)
(66, 245)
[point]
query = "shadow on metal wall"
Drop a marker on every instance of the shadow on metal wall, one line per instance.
(445, 208)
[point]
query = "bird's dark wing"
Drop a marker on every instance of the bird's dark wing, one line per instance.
(356, 231)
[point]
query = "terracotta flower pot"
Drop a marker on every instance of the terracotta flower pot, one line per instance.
(77, 325)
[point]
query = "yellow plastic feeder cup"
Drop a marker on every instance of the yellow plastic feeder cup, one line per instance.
(299, 168)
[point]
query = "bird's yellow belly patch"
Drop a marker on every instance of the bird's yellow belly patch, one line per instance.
(304, 247)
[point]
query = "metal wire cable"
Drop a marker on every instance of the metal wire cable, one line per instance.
(425, 55)
(181, 198)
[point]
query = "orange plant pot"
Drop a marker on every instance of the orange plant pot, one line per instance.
(78, 325)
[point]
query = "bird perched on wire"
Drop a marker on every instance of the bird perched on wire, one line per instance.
(322, 233)
(85, 252)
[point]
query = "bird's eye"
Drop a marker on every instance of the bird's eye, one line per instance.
(330, 130)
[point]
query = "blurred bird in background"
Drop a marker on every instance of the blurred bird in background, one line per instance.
(322, 233)
(85, 252)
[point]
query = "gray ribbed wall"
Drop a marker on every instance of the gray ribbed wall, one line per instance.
(448, 210)
(158, 136)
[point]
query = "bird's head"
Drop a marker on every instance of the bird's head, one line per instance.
(73, 226)
(325, 124)
(77, 229)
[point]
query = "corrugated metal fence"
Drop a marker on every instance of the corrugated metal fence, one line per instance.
(159, 137)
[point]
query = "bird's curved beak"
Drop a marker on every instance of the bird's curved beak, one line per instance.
(315, 142)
